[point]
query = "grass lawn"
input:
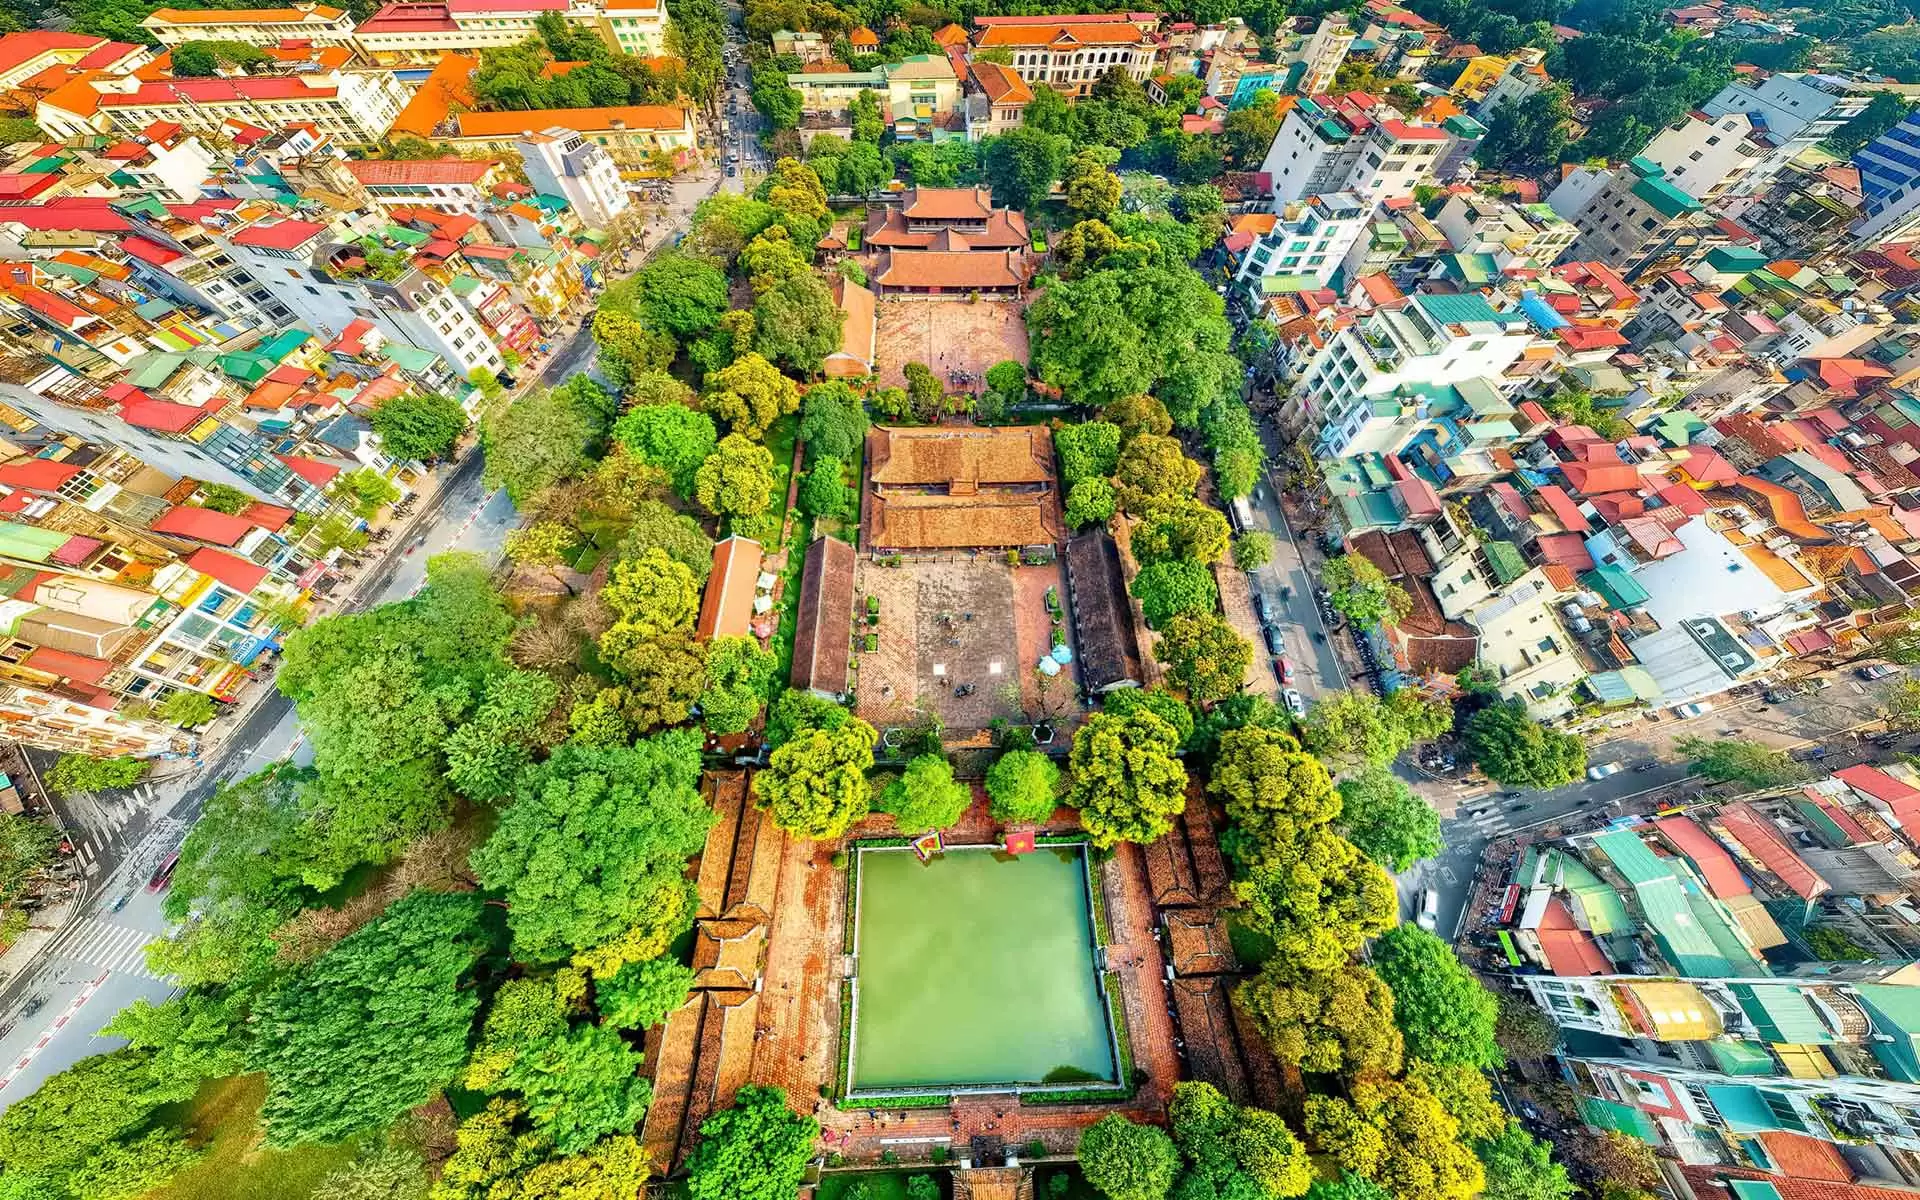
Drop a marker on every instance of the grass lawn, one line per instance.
(879, 1185)
(237, 1167)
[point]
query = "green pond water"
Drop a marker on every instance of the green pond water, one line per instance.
(977, 968)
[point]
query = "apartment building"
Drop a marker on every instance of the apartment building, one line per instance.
(355, 107)
(1367, 382)
(560, 162)
(1343, 144)
(331, 283)
(420, 31)
(1632, 217)
(1890, 182)
(313, 23)
(1307, 243)
(457, 185)
(1069, 53)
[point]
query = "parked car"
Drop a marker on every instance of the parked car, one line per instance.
(1876, 671)
(1296, 704)
(1603, 770)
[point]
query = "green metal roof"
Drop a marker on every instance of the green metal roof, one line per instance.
(1506, 561)
(1616, 586)
(1896, 1016)
(1781, 1013)
(1743, 1059)
(1666, 199)
(1743, 1108)
(29, 543)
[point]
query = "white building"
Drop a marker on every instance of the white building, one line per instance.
(356, 107)
(1794, 110)
(1309, 241)
(313, 23)
(1707, 158)
(294, 260)
(1357, 379)
(1323, 54)
(1326, 146)
(559, 162)
(420, 31)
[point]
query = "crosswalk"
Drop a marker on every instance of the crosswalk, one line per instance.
(105, 945)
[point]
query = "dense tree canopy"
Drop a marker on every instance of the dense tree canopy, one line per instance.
(596, 842)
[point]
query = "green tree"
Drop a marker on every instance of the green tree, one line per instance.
(596, 842)
(1115, 333)
(1152, 471)
(1252, 549)
(1127, 783)
(1357, 727)
(1361, 593)
(654, 526)
(1203, 655)
(681, 294)
(1521, 1167)
(1273, 791)
(123, 1170)
(372, 1028)
(738, 674)
(1395, 1133)
(640, 995)
(1092, 191)
(833, 421)
(1517, 751)
(672, 437)
(1090, 502)
(535, 442)
(1022, 164)
(1024, 786)
(486, 754)
(756, 1150)
(737, 478)
(1317, 897)
(1339, 1019)
(1089, 450)
(1739, 761)
(823, 492)
(814, 783)
(926, 796)
(1169, 588)
(1125, 1161)
(750, 395)
(1391, 825)
(418, 425)
(1446, 1015)
(83, 773)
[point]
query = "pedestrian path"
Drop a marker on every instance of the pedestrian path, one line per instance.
(106, 945)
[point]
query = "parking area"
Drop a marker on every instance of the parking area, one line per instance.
(957, 339)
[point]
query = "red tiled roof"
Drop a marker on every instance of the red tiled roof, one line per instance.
(281, 235)
(203, 525)
(727, 607)
(162, 415)
(40, 474)
(1715, 865)
(1763, 840)
(315, 472)
(236, 573)
(64, 664)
